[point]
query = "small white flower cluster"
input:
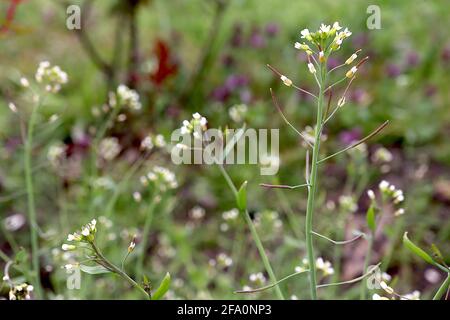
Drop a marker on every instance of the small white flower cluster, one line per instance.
(151, 141)
(348, 203)
(86, 234)
(125, 97)
(195, 126)
(237, 112)
(390, 190)
(162, 177)
(21, 292)
(268, 219)
(222, 261)
(197, 213)
(229, 217)
(321, 264)
(415, 295)
(51, 76)
(324, 33)
(258, 279)
(109, 148)
(55, 154)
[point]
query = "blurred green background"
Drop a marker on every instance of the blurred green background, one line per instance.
(206, 56)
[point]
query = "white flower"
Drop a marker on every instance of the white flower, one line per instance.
(415, 295)
(197, 213)
(126, 97)
(399, 212)
(286, 81)
(12, 107)
(311, 68)
(196, 116)
(68, 247)
(321, 56)
(147, 143)
(238, 112)
(378, 297)
(336, 26)
(52, 77)
(371, 194)
(230, 215)
(324, 28)
(24, 82)
(305, 34)
(109, 148)
(137, 196)
(383, 186)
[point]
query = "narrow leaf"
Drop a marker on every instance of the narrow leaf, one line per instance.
(370, 217)
(416, 250)
(93, 269)
(163, 287)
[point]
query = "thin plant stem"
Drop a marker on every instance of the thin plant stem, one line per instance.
(273, 284)
(363, 292)
(145, 234)
(31, 203)
(312, 190)
(442, 289)
(255, 236)
(113, 268)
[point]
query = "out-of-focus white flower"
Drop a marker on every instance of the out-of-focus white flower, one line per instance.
(371, 194)
(24, 82)
(68, 247)
(52, 77)
(399, 212)
(21, 292)
(163, 178)
(311, 68)
(109, 148)
(12, 107)
(415, 295)
(125, 97)
(382, 155)
(386, 288)
(197, 213)
(14, 222)
(378, 297)
(230, 215)
(223, 261)
(348, 203)
(237, 112)
(258, 279)
(55, 153)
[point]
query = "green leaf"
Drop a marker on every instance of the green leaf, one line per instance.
(370, 217)
(416, 250)
(93, 269)
(163, 287)
(241, 197)
(21, 256)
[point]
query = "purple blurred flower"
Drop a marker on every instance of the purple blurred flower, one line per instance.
(358, 96)
(272, 29)
(412, 59)
(360, 40)
(235, 81)
(332, 63)
(393, 70)
(430, 90)
(221, 93)
(445, 55)
(257, 40)
(236, 39)
(349, 136)
(246, 96)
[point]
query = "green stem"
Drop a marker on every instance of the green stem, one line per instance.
(145, 234)
(442, 289)
(31, 204)
(363, 292)
(117, 270)
(312, 191)
(255, 236)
